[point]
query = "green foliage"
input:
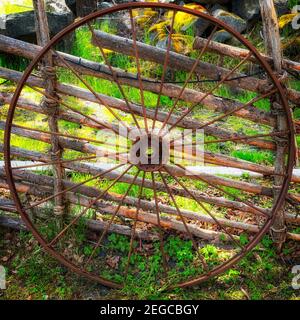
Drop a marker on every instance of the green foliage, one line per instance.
(181, 251)
(118, 242)
(210, 253)
(244, 239)
(261, 157)
(292, 3)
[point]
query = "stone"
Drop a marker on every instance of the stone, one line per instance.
(250, 9)
(222, 36)
(231, 19)
(234, 21)
(201, 26)
(71, 5)
(59, 15)
(104, 5)
(22, 25)
(282, 7)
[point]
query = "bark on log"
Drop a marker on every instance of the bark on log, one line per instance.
(273, 46)
(240, 53)
(48, 71)
(187, 123)
(180, 62)
(88, 169)
(87, 67)
(165, 222)
(88, 148)
(91, 192)
(92, 225)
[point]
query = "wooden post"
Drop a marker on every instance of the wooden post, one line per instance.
(51, 107)
(85, 7)
(273, 46)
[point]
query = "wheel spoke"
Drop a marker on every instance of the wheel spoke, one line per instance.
(114, 74)
(188, 78)
(138, 66)
(161, 232)
(225, 115)
(92, 203)
(53, 162)
(73, 187)
(98, 98)
(73, 109)
(271, 134)
(210, 91)
(133, 231)
(205, 209)
(249, 204)
(169, 191)
(112, 219)
(70, 136)
(166, 62)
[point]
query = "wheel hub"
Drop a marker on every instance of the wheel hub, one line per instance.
(150, 152)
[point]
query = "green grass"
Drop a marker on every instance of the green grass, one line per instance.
(32, 274)
(263, 157)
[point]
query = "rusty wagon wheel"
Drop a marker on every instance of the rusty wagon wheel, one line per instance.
(121, 120)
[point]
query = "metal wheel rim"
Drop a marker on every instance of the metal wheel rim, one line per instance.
(72, 27)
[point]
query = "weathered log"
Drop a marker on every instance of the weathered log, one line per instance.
(240, 53)
(50, 80)
(97, 225)
(88, 148)
(181, 62)
(208, 157)
(12, 223)
(7, 205)
(273, 46)
(165, 222)
(112, 197)
(87, 67)
(119, 104)
(89, 169)
(146, 217)
(92, 225)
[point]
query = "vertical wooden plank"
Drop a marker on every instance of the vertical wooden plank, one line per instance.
(273, 46)
(48, 71)
(271, 32)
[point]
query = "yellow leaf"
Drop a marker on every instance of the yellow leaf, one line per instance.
(286, 19)
(182, 43)
(159, 27)
(184, 20)
(107, 51)
(144, 16)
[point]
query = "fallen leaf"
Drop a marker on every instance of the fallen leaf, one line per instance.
(113, 261)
